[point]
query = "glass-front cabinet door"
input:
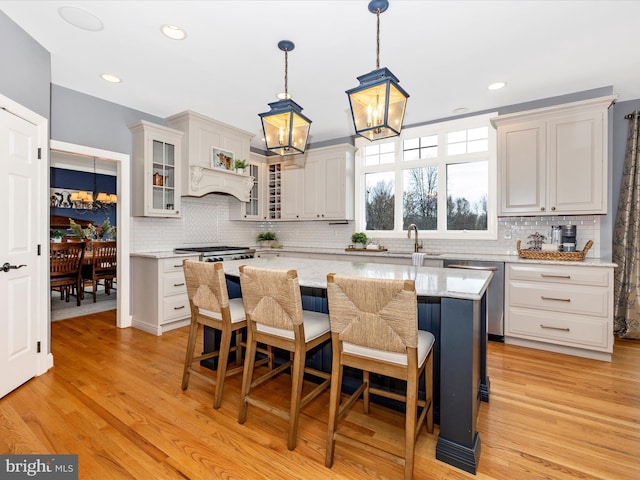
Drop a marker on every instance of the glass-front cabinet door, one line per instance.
(253, 208)
(156, 170)
(163, 175)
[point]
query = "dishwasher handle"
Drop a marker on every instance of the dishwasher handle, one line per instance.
(472, 267)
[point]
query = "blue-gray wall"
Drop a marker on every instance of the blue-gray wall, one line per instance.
(26, 68)
(85, 120)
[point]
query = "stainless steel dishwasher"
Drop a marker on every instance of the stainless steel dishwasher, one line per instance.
(495, 294)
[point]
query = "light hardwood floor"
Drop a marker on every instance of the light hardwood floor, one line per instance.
(114, 398)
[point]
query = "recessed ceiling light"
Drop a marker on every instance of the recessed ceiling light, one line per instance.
(78, 17)
(283, 96)
(461, 110)
(109, 77)
(497, 85)
(173, 32)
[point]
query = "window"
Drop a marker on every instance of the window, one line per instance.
(443, 174)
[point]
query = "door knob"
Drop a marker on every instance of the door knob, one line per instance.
(7, 266)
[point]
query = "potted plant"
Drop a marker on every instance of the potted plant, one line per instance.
(359, 239)
(87, 233)
(56, 236)
(239, 166)
(103, 232)
(266, 239)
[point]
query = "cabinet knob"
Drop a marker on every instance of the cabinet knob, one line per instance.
(553, 208)
(542, 209)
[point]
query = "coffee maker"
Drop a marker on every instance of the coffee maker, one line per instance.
(568, 238)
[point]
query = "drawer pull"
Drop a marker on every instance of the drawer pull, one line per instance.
(178, 284)
(566, 329)
(179, 308)
(177, 266)
(546, 275)
(555, 299)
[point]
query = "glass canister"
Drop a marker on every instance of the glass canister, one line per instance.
(555, 234)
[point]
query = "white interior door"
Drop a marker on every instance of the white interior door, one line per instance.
(20, 179)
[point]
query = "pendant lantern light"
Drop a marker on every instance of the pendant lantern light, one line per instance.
(379, 102)
(285, 127)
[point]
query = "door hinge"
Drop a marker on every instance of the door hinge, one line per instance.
(39, 249)
(38, 347)
(39, 153)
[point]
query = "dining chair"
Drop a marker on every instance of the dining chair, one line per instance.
(374, 328)
(104, 265)
(211, 307)
(273, 307)
(65, 263)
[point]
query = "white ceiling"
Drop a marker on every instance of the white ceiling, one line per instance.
(445, 54)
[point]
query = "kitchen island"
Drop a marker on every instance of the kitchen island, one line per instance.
(452, 306)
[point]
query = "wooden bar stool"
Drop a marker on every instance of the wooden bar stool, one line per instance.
(374, 328)
(211, 307)
(273, 306)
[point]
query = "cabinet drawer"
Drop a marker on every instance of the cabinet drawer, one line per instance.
(561, 329)
(173, 284)
(176, 307)
(560, 274)
(578, 299)
(174, 264)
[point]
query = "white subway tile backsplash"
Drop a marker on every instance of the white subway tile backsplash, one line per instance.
(205, 221)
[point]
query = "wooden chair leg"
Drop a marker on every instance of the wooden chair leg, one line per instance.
(334, 407)
(238, 347)
(95, 291)
(365, 394)
(247, 375)
(223, 359)
(410, 425)
(428, 387)
(188, 359)
(297, 379)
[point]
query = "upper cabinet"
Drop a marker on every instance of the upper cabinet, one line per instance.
(318, 187)
(209, 149)
(156, 170)
(553, 161)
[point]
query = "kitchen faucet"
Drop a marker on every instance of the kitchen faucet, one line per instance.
(416, 246)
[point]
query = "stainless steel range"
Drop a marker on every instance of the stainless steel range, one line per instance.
(218, 253)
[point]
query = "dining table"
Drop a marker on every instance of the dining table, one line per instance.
(451, 305)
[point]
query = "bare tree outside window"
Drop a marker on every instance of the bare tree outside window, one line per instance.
(420, 200)
(379, 201)
(467, 196)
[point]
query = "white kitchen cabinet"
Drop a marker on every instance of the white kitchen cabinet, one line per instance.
(255, 207)
(554, 160)
(159, 293)
(323, 189)
(567, 309)
(156, 170)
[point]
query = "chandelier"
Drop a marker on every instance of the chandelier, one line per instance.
(84, 202)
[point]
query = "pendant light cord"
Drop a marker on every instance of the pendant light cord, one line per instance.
(378, 40)
(286, 73)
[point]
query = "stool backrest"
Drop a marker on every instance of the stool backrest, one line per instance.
(206, 285)
(271, 297)
(373, 313)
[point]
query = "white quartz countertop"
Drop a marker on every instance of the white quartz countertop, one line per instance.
(163, 254)
(429, 281)
(483, 257)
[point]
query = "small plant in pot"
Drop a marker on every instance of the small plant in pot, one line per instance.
(359, 240)
(56, 236)
(239, 166)
(266, 239)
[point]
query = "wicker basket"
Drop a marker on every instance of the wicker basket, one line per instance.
(541, 255)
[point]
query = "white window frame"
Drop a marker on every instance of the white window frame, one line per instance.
(441, 129)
